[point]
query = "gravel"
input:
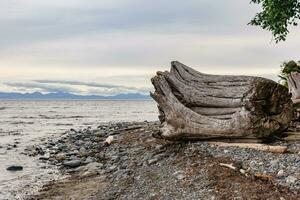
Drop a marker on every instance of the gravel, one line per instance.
(137, 166)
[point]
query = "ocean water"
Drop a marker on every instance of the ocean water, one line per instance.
(25, 122)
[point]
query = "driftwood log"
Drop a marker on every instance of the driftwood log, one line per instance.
(294, 88)
(294, 85)
(194, 105)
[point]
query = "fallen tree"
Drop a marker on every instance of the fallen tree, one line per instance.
(194, 105)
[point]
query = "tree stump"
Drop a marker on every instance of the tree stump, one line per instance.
(193, 105)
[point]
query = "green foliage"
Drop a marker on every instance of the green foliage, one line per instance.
(286, 69)
(276, 16)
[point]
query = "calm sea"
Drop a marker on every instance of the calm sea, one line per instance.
(25, 122)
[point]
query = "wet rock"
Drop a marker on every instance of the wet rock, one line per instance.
(72, 163)
(15, 168)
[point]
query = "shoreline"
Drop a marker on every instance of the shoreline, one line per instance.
(137, 166)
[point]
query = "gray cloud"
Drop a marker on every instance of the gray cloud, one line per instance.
(91, 84)
(42, 87)
(77, 87)
(123, 42)
(38, 22)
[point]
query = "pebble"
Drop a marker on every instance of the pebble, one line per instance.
(280, 173)
(60, 157)
(291, 179)
(179, 175)
(243, 171)
(72, 163)
(274, 163)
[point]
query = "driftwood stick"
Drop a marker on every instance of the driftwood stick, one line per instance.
(230, 166)
(260, 147)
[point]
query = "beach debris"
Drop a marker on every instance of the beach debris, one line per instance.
(263, 176)
(230, 166)
(15, 168)
(259, 147)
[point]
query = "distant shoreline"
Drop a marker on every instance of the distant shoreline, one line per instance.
(71, 96)
(29, 99)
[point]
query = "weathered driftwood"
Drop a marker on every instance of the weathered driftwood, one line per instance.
(259, 147)
(294, 85)
(294, 88)
(194, 105)
(291, 136)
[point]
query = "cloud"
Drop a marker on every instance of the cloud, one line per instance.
(41, 87)
(93, 84)
(50, 21)
(122, 43)
(75, 87)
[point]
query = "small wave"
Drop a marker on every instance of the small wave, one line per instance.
(75, 117)
(61, 117)
(21, 122)
(3, 108)
(62, 124)
(47, 117)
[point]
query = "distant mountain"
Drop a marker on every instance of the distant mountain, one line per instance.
(64, 95)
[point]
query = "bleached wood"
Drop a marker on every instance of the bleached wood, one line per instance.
(260, 147)
(294, 85)
(194, 105)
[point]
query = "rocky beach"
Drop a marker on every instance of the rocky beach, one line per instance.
(133, 164)
(26, 123)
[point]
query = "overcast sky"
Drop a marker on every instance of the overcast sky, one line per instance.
(115, 46)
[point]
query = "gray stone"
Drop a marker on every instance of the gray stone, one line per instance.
(274, 163)
(291, 179)
(72, 163)
(179, 175)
